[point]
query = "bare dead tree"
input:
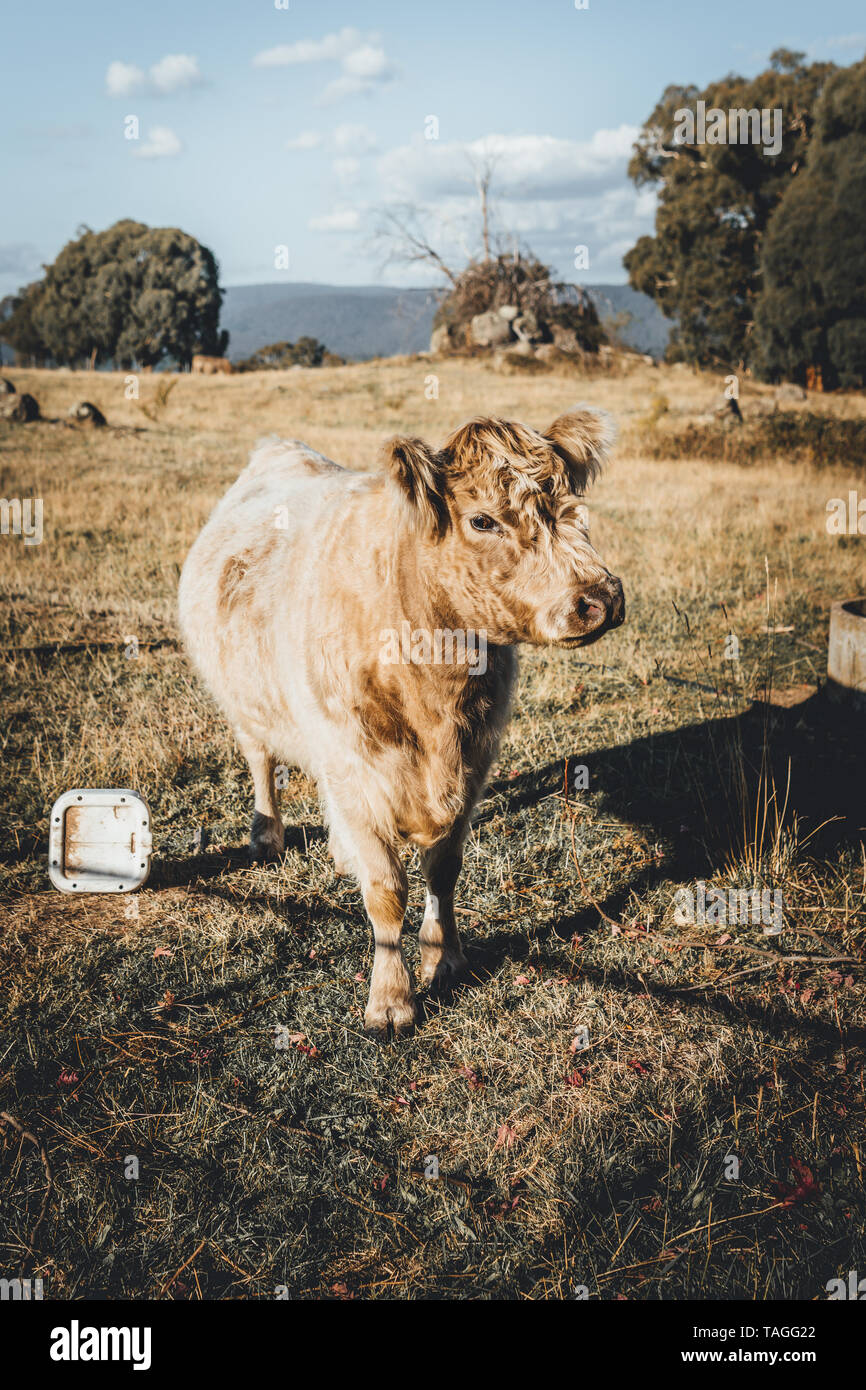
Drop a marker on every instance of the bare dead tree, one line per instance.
(407, 240)
(404, 229)
(483, 168)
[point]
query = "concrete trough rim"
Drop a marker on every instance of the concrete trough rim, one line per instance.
(846, 653)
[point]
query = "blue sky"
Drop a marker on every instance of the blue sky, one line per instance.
(262, 127)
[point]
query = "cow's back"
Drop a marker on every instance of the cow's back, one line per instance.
(250, 583)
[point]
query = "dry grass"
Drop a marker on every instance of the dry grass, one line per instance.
(304, 1167)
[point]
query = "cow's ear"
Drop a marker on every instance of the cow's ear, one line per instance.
(417, 472)
(583, 439)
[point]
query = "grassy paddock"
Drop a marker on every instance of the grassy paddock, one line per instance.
(145, 1026)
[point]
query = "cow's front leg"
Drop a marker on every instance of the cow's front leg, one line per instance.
(267, 836)
(385, 890)
(442, 958)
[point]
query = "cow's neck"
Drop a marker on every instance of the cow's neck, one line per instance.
(433, 643)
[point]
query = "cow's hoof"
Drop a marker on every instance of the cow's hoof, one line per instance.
(267, 839)
(442, 973)
(396, 1019)
(264, 854)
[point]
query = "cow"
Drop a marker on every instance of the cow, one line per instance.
(208, 366)
(296, 602)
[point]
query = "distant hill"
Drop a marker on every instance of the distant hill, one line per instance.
(375, 321)
(647, 330)
(355, 321)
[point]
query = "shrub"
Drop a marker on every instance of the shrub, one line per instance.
(798, 436)
(306, 352)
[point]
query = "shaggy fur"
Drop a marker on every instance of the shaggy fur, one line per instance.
(300, 575)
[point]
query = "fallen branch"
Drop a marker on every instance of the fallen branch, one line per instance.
(168, 1283)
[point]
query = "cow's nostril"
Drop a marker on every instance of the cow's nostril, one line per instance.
(591, 610)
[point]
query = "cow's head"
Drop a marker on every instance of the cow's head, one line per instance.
(498, 511)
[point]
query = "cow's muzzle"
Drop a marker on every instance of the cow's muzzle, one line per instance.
(598, 610)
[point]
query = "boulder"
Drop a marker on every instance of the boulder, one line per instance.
(508, 311)
(565, 338)
(440, 339)
(789, 391)
(21, 408)
(489, 330)
(527, 328)
(87, 413)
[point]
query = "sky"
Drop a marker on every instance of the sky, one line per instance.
(279, 132)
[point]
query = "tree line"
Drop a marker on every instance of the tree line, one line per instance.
(130, 296)
(759, 255)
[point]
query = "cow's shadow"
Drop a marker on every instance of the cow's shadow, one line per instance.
(704, 788)
(684, 788)
(176, 870)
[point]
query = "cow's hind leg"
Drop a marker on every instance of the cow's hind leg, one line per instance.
(442, 958)
(267, 836)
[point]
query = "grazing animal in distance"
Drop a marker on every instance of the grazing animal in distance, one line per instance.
(209, 366)
(296, 602)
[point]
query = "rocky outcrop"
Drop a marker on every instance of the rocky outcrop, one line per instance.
(527, 328)
(23, 409)
(490, 330)
(789, 391)
(441, 340)
(87, 414)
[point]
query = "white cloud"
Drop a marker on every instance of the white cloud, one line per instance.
(332, 46)
(122, 79)
(362, 72)
(362, 58)
(307, 140)
(552, 194)
(368, 63)
(355, 139)
(174, 73)
(161, 143)
(340, 220)
(524, 166)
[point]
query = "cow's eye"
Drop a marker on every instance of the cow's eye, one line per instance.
(484, 523)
